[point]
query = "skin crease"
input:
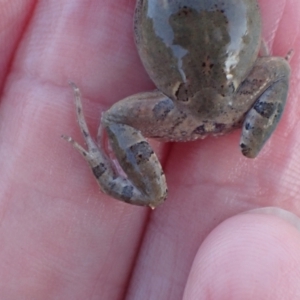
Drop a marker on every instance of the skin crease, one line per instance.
(60, 238)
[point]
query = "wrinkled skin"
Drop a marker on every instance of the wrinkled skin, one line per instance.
(62, 239)
(203, 58)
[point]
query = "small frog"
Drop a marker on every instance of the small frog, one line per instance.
(203, 58)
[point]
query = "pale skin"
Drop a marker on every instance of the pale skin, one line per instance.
(62, 238)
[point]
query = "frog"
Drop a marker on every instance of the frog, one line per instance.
(204, 59)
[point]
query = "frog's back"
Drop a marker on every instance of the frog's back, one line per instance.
(197, 44)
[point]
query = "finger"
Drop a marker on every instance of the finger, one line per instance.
(209, 181)
(249, 256)
(80, 241)
(14, 16)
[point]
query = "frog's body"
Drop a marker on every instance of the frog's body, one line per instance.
(203, 58)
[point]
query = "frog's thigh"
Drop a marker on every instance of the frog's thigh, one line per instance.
(272, 73)
(127, 123)
(140, 164)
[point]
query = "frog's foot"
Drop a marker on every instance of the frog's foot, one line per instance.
(270, 77)
(145, 183)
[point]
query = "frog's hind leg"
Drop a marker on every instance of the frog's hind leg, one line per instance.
(135, 160)
(270, 78)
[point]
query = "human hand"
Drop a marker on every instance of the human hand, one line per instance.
(61, 238)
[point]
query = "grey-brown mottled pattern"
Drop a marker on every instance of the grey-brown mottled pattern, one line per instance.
(99, 170)
(141, 151)
(203, 58)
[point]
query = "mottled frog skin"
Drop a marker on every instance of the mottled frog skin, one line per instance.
(203, 58)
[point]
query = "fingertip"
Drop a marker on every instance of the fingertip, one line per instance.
(249, 256)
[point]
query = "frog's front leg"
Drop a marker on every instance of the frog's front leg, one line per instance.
(145, 183)
(269, 79)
